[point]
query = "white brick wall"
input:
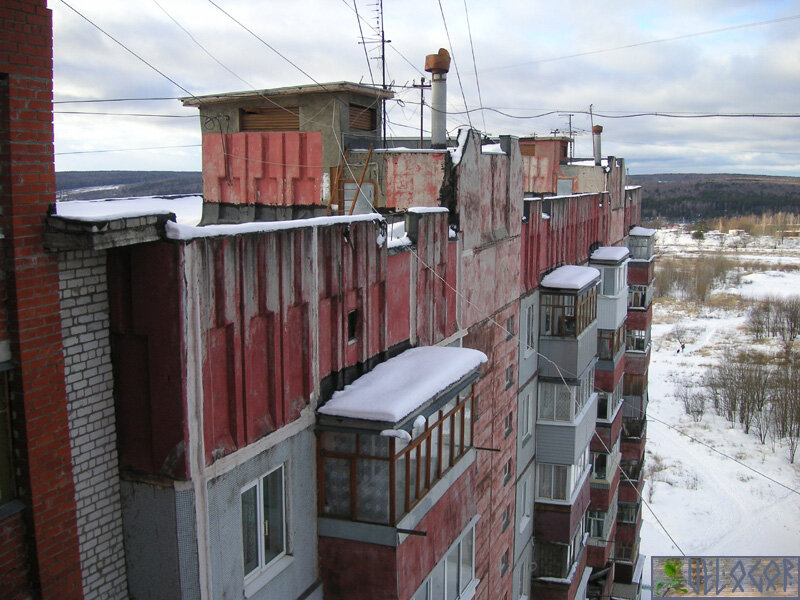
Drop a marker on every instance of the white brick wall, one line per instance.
(93, 438)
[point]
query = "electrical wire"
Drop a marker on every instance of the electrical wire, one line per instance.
(475, 66)
(649, 42)
(96, 100)
(363, 43)
(115, 40)
(126, 149)
(263, 41)
(455, 64)
(119, 114)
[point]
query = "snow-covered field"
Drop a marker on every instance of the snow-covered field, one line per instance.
(710, 504)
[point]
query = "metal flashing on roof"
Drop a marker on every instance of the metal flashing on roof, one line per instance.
(322, 88)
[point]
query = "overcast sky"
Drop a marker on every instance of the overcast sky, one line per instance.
(744, 69)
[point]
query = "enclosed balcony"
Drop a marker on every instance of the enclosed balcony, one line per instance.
(611, 261)
(568, 321)
(641, 242)
(394, 435)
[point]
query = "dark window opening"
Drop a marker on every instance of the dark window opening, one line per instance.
(352, 325)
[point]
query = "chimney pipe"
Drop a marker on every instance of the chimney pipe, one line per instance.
(596, 131)
(438, 65)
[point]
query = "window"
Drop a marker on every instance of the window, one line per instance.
(507, 472)
(509, 376)
(359, 468)
(362, 118)
(552, 481)
(628, 513)
(613, 280)
(263, 522)
(576, 544)
(509, 424)
(352, 325)
(567, 315)
(504, 563)
(637, 340)
(6, 464)
(642, 248)
(608, 402)
(524, 580)
(451, 578)
(509, 328)
(526, 502)
(560, 402)
(599, 464)
(595, 523)
(506, 518)
(640, 296)
(526, 415)
(530, 333)
(609, 343)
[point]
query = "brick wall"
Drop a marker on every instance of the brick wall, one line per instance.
(37, 396)
(13, 558)
(93, 439)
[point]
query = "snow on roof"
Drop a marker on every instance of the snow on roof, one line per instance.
(397, 387)
(612, 253)
(457, 152)
(642, 231)
(492, 149)
(188, 210)
(571, 277)
(427, 209)
(176, 231)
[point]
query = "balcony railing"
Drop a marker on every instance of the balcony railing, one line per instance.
(552, 560)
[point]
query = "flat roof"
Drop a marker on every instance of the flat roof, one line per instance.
(610, 254)
(571, 277)
(292, 90)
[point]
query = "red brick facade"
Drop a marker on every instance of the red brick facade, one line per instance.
(41, 449)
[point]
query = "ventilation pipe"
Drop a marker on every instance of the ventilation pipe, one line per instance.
(596, 131)
(438, 65)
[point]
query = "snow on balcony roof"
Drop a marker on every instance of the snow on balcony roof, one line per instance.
(610, 253)
(399, 386)
(176, 231)
(571, 277)
(427, 209)
(187, 209)
(642, 231)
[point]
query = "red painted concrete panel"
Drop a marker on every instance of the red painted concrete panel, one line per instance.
(607, 381)
(640, 319)
(398, 291)
(640, 272)
(413, 179)
(144, 302)
(269, 168)
(353, 570)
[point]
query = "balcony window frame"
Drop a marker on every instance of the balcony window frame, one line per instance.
(264, 566)
(567, 315)
(609, 343)
(637, 340)
(640, 296)
(413, 467)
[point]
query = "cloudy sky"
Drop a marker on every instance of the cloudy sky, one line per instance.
(524, 53)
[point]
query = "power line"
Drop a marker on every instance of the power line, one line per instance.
(650, 42)
(263, 41)
(126, 149)
(118, 114)
(455, 64)
(475, 66)
(111, 37)
(97, 100)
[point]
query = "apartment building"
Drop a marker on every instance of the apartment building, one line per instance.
(366, 373)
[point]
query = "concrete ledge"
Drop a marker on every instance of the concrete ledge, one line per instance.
(75, 234)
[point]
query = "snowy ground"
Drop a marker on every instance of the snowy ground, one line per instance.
(709, 504)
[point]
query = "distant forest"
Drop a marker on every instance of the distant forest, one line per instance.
(94, 185)
(669, 197)
(694, 197)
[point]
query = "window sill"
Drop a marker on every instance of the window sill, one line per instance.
(268, 573)
(11, 507)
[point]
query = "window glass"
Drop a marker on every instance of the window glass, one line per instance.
(250, 529)
(337, 487)
(274, 525)
(446, 442)
(467, 559)
(451, 577)
(373, 489)
(437, 582)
